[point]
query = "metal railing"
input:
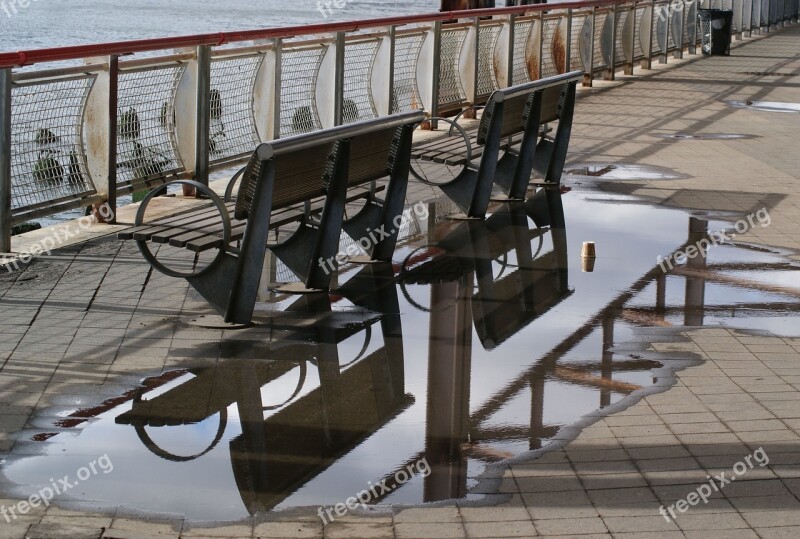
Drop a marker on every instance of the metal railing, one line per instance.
(123, 121)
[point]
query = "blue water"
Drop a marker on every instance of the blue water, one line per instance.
(52, 23)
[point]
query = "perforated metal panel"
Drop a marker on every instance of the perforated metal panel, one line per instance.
(299, 70)
(146, 144)
(48, 160)
(523, 33)
(406, 56)
(233, 126)
(450, 88)
(487, 41)
(550, 27)
(359, 59)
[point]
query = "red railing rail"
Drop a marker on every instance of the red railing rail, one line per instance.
(55, 54)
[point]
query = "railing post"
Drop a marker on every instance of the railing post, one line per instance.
(113, 99)
(589, 77)
(541, 44)
(647, 61)
(612, 69)
(512, 30)
(632, 38)
(568, 47)
(276, 91)
(5, 160)
(392, 48)
(475, 65)
(437, 68)
(338, 85)
(203, 126)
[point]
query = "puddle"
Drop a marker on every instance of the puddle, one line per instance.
(703, 136)
(766, 106)
(480, 344)
(618, 172)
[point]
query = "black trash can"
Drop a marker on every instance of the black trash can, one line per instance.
(716, 26)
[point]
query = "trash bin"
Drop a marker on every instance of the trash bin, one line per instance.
(715, 27)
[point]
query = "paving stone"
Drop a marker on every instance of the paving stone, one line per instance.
(352, 530)
(426, 530)
(508, 528)
(571, 526)
(655, 523)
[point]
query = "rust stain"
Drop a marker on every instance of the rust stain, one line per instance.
(533, 66)
(559, 51)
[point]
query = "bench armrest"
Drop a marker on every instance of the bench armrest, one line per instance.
(226, 228)
(232, 183)
(476, 108)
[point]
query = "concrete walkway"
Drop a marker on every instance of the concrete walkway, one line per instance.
(611, 480)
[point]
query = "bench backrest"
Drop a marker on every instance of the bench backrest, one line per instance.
(517, 102)
(304, 163)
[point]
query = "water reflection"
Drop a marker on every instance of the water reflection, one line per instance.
(479, 343)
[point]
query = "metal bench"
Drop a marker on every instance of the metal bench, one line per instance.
(312, 172)
(510, 124)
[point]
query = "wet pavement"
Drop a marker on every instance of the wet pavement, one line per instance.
(485, 374)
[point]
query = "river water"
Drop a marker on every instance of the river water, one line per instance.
(51, 23)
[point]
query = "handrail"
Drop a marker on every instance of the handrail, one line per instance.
(54, 54)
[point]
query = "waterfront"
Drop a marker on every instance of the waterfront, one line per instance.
(54, 23)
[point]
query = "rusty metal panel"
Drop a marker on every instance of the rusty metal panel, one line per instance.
(450, 88)
(487, 42)
(406, 56)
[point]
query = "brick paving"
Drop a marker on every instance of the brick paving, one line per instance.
(610, 479)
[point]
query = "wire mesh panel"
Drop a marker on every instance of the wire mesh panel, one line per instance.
(523, 33)
(48, 159)
(660, 11)
(599, 23)
(676, 29)
(450, 88)
(487, 42)
(233, 126)
(736, 23)
(579, 28)
(406, 56)
(747, 14)
(299, 70)
(146, 124)
(359, 59)
(638, 50)
(689, 25)
(550, 44)
(619, 49)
